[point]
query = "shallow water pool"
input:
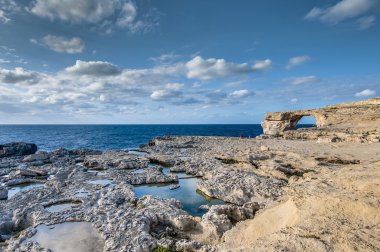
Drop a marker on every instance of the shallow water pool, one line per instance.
(187, 194)
(56, 208)
(20, 188)
(69, 237)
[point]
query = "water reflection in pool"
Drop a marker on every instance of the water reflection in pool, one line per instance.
(190, 198)
(137, 152)
(20, 188)
(61, 207)
(69, 237)
(102, 182)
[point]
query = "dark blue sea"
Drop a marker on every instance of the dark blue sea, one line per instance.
(113, 137)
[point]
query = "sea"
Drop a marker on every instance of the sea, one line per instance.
(114, 137)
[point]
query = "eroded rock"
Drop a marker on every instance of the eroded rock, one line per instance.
(17, 149)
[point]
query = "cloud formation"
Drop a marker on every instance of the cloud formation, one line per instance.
(366, 22)
(343, 10)
(93, 68)
(93, 88)
(3, 18)
(61, 44)
(241, 93)
(366, 93)
(7, 7)
(171, 90)
(206, 69)
(85, 11)
(105, 14)
(296, 61)
(262, 65)
(303, 80)
(19, 75)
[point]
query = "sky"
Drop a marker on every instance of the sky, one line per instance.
(178, 61)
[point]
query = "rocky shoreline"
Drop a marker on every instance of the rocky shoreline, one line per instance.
(289, 191)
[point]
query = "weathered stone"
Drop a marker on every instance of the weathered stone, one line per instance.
(26, 173)
(41, 156)
(17, 149)
(3, 193)
(115, 160)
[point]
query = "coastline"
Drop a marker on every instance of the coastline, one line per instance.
(312, 189)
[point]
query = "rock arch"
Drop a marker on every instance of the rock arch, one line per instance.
(276, 123)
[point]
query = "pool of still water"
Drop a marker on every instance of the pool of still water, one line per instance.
(69, 237)
(19, 188)
(187, 194)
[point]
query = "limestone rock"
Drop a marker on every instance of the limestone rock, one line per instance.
(41, 156)
(240, 187)
(358, 119)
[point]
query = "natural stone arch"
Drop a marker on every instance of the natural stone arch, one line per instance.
(277, 122)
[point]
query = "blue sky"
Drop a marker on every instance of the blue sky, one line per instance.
(170, 61)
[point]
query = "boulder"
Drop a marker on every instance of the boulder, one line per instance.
(3, 193)
(17, 149)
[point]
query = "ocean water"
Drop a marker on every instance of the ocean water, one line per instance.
(113, 137)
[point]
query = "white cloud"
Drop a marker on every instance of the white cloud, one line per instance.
(345, 9)
(167, 58)
(7, 7)
(19, 75)
(164, 94)
(241, 93)
(93, 68)
(206, 69)
(302, 80)
(127, 15)
(84, 11)
(262, 65)
(3, 61)
(365, 22)
(171, 90)
(61, 44)
(294, 100)
(3, 18)
(296, 61)
(365, 93)
(105, 14)
(175, 86)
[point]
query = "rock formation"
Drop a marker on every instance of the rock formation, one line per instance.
(356, 116)
(17, 149)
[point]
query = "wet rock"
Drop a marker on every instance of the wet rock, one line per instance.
(173, 187)
(17, 149)
(205, 207)
(15, 182)
(85, 152)
(3, 193)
